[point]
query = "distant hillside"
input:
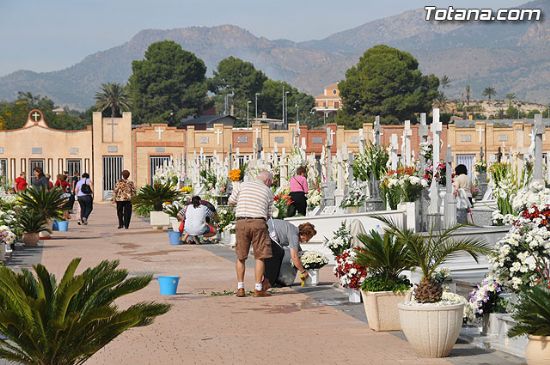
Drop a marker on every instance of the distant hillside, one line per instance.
(513, 58)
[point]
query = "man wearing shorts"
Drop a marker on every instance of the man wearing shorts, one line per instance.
(254, 204)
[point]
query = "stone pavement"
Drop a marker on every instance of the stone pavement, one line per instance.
(296, 325)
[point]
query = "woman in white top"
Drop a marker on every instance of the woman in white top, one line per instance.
(195, 221)
(463, 192)
(84, 194)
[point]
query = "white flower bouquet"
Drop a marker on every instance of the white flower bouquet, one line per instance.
(340, 241)
(312, 260)
(314, 198)
(356, 197)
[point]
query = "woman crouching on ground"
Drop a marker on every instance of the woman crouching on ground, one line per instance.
(282, 267)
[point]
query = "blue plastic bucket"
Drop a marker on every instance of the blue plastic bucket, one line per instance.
(168, 284)
(63, 226)
(174, 237)
(55, 226)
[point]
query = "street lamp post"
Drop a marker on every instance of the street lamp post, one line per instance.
(283, 116)
(247, 113)
(286, 108)
(297, 110)
(256, 105)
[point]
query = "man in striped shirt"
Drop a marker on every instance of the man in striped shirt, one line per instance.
(254, 204)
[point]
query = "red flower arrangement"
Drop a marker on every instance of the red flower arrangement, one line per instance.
(534, 213)
(350, 274)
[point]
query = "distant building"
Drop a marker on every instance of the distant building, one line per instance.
(329, 102)
(272, 122)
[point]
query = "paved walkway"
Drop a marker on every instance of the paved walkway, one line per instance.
(301, 326)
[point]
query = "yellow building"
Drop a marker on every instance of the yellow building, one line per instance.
(329, 102)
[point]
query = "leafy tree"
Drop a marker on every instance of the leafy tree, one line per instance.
(468, 94)
(240, 78)
(489, 92)
(387, 82)
(112, 98)
(271, 101)
(168, 80)
(65, 322)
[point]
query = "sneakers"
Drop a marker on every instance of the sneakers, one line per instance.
(241, 293)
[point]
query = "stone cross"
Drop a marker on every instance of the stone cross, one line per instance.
(376, 131)
(159, 131)
(304, 146)
(275, 148)
(423, 130)
(35, 116)
(393, 151)
(361, 139)
(450, 202)
(539, 132)
(436, 129)
(218, 134)
(112, 124)
(499, 154)
(340, 181)
(230, 156)
(407, 133)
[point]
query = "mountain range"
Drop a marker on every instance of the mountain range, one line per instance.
(511, 57)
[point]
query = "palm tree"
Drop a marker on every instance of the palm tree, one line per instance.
(441, 101)
(65, 323)
(468, 94)
(489, 92)
(444, 82)
(47, 203)
(431, 250)
(112, 96)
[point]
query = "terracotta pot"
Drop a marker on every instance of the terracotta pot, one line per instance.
(432, 330)
(537, 351)
(381, 309)
(30, 239)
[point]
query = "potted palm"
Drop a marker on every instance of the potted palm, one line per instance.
(32, 223)
(385, 258)
(45, 321)
(431, 324)
(46, 203)
(532, 315)
(152, 197)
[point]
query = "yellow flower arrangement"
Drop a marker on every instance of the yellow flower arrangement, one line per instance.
(235, 175)
(186, 189)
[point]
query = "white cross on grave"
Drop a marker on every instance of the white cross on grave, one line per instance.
(218, 133)
(35, 116)
(159, 131)
(480, 132)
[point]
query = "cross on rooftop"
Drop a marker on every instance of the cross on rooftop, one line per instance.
(36, 116)
(159, 131)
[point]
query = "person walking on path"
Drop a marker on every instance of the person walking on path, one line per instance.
(285, 248)
(254, 205)
(298, 192)
(40, 181)
(20, 183)
(463, 192)
(122, 195)
(84, 194)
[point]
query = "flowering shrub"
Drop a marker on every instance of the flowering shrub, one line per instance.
(296, 158)
(356, 196)
(341, 240)
(390, 189)
(486, 298)
(312, 260)
(371, 161)
(208, 178)
(350, 274)
(314, 198)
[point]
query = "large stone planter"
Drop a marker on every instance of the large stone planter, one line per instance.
(381, 309)
(30, 239)
(159, 219)
(537, 351)
(431, 329)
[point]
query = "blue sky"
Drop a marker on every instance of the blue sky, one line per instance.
(47, 35)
